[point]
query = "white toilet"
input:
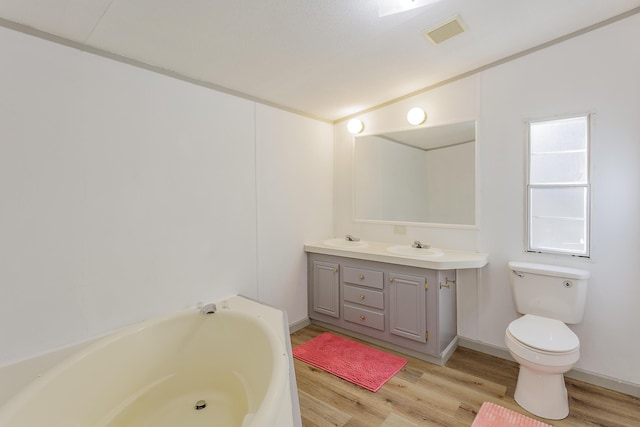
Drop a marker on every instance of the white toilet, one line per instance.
(549, 296)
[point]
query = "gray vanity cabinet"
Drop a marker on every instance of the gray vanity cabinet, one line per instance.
(402, 307)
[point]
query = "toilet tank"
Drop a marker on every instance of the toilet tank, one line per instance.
(549, 290)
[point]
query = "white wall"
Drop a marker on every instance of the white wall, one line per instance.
(596, 72)
(126, 194)
(295, 203)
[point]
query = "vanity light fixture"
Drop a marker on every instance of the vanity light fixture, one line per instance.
(355, 126)
(416, 116)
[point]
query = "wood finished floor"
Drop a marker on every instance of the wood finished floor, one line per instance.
(424, 394)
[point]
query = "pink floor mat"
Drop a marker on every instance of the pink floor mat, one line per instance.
(357, 363)
(492, 415)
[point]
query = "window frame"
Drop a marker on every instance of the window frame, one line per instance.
(587, 186)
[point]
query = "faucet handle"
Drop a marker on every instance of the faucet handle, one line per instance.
(417, 244)
(350, 238)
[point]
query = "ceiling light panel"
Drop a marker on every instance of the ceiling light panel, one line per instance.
(390, 7)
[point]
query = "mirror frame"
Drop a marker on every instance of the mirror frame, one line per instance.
(355, 219)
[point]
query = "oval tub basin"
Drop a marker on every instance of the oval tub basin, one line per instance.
(155, 373)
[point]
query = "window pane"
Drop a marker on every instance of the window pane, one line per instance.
(564, 202)
(558, 219)
(559, 168)
(559, 135)
(557, 235)
(558, 151)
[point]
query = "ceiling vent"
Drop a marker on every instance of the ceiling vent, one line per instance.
(445, 31)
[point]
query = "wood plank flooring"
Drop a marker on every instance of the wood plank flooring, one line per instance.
(424, 394)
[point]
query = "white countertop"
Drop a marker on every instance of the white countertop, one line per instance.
(378, 251)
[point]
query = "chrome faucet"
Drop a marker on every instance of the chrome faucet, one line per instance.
(208, 309)
(417, 244)
(350, 238)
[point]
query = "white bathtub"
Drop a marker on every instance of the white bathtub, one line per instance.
(237, 360)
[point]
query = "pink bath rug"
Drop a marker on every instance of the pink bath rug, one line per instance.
(357, 363)
(492, 415)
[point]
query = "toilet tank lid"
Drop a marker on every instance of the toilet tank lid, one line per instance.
(549, 270)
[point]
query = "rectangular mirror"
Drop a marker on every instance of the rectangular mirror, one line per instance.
(424, 175)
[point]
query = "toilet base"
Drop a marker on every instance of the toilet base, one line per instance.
(544, 395)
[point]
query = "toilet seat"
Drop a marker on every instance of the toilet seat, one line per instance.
(545, 361)
(542, 334)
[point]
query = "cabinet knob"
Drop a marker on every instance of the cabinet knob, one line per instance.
(361, 296)
(335, 270)
(361, 276)
(391, 279)
(362, 317)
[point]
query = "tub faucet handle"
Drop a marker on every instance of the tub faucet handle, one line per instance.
(208, 309)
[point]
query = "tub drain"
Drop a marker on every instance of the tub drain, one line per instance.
(200, 404)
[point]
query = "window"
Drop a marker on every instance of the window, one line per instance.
(558, 186)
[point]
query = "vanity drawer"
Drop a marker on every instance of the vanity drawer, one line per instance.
(363, 296)
(364, 317)
(362, 277)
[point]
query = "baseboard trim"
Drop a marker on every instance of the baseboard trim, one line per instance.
(599, 380)
(296, 326)
(605, 381)
(492, 350)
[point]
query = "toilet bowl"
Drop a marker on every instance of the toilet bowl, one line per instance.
(545, 349)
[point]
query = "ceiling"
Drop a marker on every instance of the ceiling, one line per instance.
(328, 59)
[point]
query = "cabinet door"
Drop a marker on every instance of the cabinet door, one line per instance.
(326, 285)
(407, 307)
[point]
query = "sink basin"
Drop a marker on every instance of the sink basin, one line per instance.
(414, 252)
(343, 243)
